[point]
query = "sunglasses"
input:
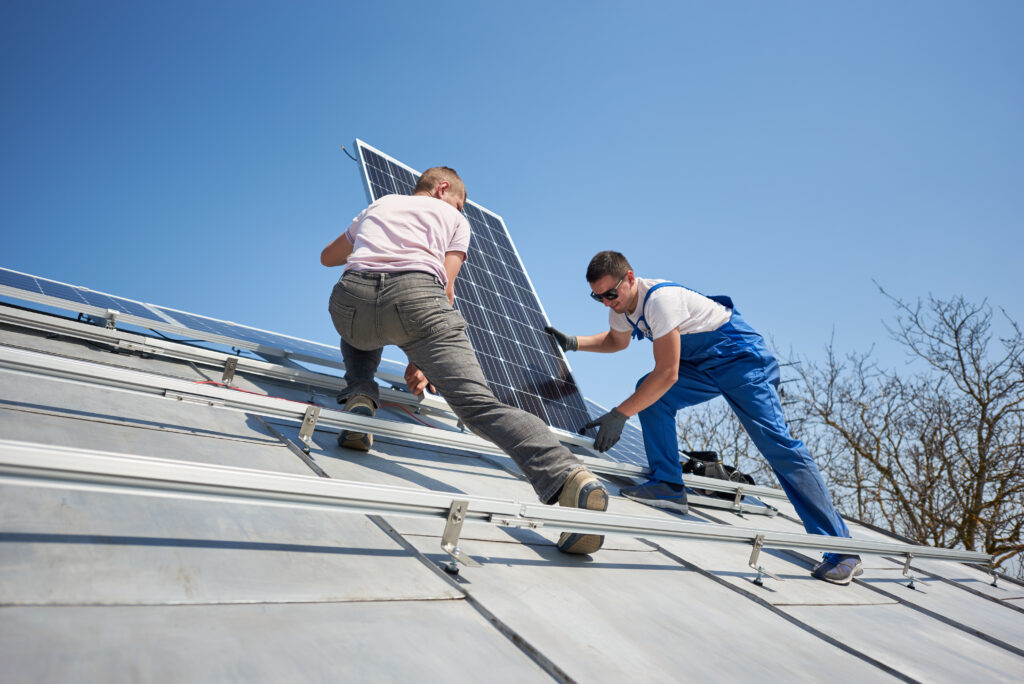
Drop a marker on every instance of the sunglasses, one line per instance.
(612, 294)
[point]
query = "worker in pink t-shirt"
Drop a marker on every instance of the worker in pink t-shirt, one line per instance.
(402, 255)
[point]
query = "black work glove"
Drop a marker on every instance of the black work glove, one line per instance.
(566, 342)
(610, 429)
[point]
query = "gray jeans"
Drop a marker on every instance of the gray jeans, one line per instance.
(371, 309)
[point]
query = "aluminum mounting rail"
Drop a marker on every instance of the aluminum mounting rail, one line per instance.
(37, 363)
(28, 464)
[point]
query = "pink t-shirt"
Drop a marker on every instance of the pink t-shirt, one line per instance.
(407, 233)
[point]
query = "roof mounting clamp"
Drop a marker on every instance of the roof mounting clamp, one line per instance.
(230, 366)
(737, 506)
(906, 571)
(450, 538)
(761, 572)
(995, 575)
(111, 318)
(309, 419)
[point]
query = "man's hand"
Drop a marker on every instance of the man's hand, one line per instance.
(417, 381)
(610, 429)
(566, 342)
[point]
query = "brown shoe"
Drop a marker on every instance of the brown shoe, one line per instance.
(582, 490)
(360, 405)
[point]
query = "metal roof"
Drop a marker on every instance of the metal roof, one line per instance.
(152, 533)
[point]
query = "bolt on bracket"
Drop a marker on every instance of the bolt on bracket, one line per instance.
(230, 365)
(907, 573)
(450, 538)
(754, 555)
(309, 420)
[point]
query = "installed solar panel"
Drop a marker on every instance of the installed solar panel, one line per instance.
(78, 295)
(524, 367)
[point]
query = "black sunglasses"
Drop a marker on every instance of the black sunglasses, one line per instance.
(612, 294)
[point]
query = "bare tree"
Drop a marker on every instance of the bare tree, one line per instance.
(937, 455)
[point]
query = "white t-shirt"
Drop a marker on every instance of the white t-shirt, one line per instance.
(671, 307)
(407, 233)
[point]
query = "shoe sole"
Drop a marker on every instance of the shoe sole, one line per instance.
(660, 503)
(360, 441)
(596, 499)
(842, 582)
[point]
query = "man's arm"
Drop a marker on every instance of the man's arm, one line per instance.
(452, 264)
(338, 252)
(604, 343)
(660, 380)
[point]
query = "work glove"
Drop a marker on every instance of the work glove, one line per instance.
(566, 342)
(609, 429)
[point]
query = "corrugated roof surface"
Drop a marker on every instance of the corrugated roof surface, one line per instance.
(114, 586)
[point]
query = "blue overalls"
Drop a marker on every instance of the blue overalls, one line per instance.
(735, 362)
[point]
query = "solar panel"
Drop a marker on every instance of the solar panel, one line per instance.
(83, 300)
(523, 365)
(77, 295)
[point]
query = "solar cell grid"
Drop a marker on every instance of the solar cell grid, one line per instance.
(503, 314)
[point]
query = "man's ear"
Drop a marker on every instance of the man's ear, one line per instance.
(441, 188)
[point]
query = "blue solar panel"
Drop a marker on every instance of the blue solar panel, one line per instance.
(74, 295)
(72, 298)
(524, 367)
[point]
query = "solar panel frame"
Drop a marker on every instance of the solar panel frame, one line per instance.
(505, 317)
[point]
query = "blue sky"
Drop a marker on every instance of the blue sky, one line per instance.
(784, 153)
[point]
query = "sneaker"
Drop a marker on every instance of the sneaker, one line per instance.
(658, 494)
(582, 490)
(838, 569)
(361, 405)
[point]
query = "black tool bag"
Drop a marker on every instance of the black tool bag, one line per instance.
(708, 464)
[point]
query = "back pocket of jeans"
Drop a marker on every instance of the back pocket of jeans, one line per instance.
(424, 317)
(343, 317)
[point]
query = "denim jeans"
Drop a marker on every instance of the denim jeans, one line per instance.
(372, 309)
(734, 362)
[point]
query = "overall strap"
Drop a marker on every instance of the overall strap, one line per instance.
(643, 307)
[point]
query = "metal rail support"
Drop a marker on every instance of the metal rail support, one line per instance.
(907, 573)
(230, 366)
(995, 575)
(450, 538)
(111, 318)
(737, 505)
(309, 420)
(754, 556)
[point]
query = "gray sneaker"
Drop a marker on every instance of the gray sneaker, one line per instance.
(582, 490)
(361, 405)
(837, 568)
(658, 494)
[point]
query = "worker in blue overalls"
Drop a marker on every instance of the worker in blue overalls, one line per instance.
(702, 349)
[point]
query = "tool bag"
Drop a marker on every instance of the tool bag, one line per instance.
(708, 464)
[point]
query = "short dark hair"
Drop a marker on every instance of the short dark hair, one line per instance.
(435, 175)
(607, 263)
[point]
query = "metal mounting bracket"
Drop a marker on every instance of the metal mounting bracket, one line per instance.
(906, 571)
(309, 420)
(995, 575)
(230, 366)
(754, 555)
(450, 538)
(111, 319)
(737, 502)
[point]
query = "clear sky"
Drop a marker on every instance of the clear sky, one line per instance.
(188, 153)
